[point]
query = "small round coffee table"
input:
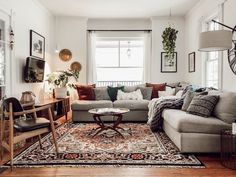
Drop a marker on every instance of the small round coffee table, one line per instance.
(103, 112)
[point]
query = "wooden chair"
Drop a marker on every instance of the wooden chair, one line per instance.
(28, 126)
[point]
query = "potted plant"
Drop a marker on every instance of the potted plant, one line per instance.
(60, 81)
(169, 36)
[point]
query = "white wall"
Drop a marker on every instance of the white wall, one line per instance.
(119, 24)
(158, 26)
(28, 14)
(193, 22)
(71, 33)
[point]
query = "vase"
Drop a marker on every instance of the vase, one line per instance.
(60, 92)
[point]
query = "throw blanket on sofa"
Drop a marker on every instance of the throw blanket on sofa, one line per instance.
(156, 107)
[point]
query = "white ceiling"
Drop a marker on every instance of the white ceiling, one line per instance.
(118, 8)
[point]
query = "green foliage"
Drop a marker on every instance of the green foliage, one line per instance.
(61, 78)
(169, 36)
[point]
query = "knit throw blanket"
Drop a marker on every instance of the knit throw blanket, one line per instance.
(156, 107)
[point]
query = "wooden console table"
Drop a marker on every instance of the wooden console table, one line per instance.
(60, 107)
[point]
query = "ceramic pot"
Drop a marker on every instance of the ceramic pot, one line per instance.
(60, 92)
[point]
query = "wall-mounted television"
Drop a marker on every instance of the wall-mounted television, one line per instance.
(34, 70)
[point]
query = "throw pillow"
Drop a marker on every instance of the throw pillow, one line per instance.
(101, 93)
(112, 92)
(169, 92)
(156, 88)
(86, 92)
(130, 88)
(188, 98)
(135, 95)
(203, 105)
(226, 107)
(146, 92)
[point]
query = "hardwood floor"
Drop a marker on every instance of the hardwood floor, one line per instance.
(213, 168)
(212, 163)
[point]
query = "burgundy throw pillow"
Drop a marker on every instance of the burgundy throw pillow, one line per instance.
(156, 88)
(86, 92)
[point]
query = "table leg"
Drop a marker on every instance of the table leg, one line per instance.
(116, 125)
(100, 123)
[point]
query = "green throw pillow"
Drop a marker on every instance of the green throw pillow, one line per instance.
(112, 92)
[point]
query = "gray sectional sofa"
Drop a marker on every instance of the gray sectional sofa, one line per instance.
(190, 133)
(138, 109)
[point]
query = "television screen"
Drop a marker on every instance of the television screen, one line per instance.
(34, 70)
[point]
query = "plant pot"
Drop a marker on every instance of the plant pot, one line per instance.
(61, 92)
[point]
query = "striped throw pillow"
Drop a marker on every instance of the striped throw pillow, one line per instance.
(203, 105)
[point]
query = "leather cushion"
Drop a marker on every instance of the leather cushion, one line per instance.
(23, 125)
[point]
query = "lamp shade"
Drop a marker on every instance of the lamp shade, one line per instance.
(217, 40)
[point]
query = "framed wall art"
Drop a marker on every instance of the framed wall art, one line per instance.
(191, 62)
(168, 65)
(37, 45)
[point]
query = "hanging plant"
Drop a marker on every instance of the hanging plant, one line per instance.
(169, 36)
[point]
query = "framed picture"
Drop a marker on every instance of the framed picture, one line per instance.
(37, 45)
(168, 65)
(191, 62)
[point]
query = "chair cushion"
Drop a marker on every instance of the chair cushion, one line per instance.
(131, 104)
(85, 105)
(188, 123)
(23, 125)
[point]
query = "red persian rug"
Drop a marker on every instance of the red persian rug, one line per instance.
(140, 147)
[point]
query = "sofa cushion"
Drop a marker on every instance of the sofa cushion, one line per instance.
(156, 88)
(130, 88)
(226, 107)
(188, 98)
(135, 95)
(146, 92)
(131, 104)
(184, 122)
(169, 92)
(79, 105)
(203, 105)
(101, 93)
(112, 92)
(86, 92)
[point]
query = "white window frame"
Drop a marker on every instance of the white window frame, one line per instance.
(216, 14)
(119, 66)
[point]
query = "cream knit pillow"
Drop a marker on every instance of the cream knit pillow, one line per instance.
(135, 95)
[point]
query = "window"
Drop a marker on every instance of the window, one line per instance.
(119, 60)
(212, 61)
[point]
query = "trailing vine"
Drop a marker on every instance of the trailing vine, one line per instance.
(169, 36)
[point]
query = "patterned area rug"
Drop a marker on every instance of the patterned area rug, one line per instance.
(140, 147)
